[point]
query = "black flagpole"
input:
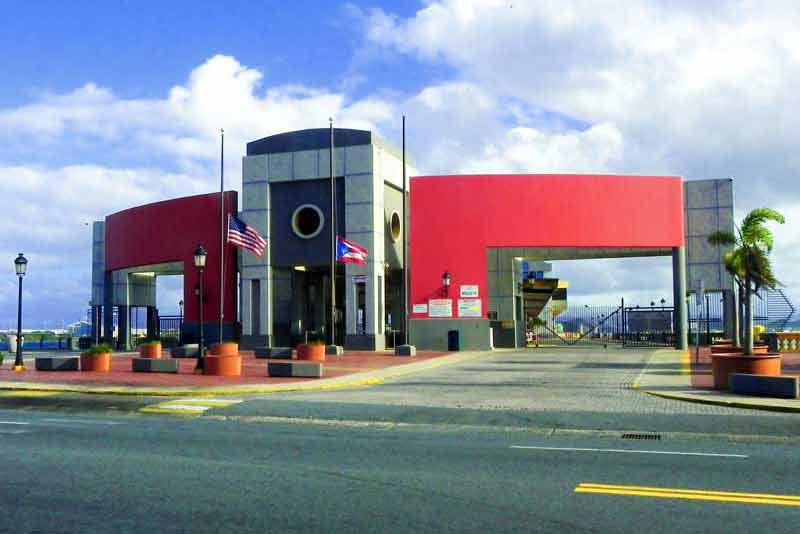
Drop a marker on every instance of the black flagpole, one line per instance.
(333, 241)
(405, 240)
(221, 231)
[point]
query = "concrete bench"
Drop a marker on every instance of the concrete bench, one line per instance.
(185, 351)
(405, 350)
(782, 387)
(295, 369)
(334, 350)
(274, 352)
(57, 363)
(154, 365)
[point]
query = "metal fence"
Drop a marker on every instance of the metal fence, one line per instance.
(579, 325)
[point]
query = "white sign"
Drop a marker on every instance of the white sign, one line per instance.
(420, 308)
(469, 307)
(359, 278)
(440, 308)
(469, 291)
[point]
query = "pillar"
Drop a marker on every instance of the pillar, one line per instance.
(152, 323)
(730, 315)
(108, 309)
(123, 328)
(680, 315)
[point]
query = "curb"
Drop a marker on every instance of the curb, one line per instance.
(685, 360)
(722, 402)
(361, 379)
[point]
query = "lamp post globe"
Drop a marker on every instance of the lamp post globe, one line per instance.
(200, 263)
(20, 266)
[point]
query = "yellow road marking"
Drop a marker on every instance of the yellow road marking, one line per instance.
(689, 494)
(24, 393)
(686, 363)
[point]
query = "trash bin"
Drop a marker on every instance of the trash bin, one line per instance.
(12, 343)
(453, 340)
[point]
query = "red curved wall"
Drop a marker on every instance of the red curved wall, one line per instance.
(169, 231)
(455, 218)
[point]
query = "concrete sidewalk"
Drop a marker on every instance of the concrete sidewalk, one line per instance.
(402, 367)
(668, 374)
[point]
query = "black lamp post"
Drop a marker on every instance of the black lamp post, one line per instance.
(20, 264)
(200, 263)
(445, 282)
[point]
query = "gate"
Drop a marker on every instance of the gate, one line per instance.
(578, 325)
(648, 327)
(605, 325)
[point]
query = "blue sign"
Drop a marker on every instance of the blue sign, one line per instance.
(525, 267)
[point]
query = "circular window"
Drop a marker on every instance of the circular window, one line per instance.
(307, 221)
(394, 225)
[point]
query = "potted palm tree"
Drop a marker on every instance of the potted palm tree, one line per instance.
(97, 358)
(312, 350)
(150, 349)
(749, 264)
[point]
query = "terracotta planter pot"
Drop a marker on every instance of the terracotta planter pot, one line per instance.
(223, 365)
(723, 365)
(150, 351)
(98, 362)
(314, 353)
(225, 349)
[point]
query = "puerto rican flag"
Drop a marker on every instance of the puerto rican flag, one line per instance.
(347, 252)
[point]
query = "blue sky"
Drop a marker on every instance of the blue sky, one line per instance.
(140, 48)
(107, 105)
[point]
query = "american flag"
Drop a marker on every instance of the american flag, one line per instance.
(244, 236)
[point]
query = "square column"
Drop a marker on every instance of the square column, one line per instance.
(256, 282)
(364, 225)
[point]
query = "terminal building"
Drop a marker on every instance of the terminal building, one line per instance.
(468, 237)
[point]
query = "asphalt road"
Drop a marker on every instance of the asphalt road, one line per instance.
(155, 474)
(568, 388)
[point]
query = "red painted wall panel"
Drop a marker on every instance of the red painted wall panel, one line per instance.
(169, 231)
(455, 218)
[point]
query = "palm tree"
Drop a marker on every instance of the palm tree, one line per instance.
(748, 262)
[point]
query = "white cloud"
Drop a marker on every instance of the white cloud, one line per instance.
(699, 89)
(704, 90)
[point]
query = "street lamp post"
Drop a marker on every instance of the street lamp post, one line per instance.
(445, 282)
(20, 264)
(200, 263)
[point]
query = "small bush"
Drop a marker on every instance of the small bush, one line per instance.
(151, 342)
(102, 348)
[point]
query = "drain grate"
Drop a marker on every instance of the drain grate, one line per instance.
(641, 436)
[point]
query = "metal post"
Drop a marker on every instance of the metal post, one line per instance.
(18, 365)
(333, 239)
(406, 316)
(200, 352)
(221, 232)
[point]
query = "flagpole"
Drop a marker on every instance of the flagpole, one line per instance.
(221, 231)
(333, 239)
(405, 241)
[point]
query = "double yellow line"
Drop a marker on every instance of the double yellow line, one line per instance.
(694, 495)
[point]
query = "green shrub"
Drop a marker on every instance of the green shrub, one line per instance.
(102, 348)
(151, 342)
